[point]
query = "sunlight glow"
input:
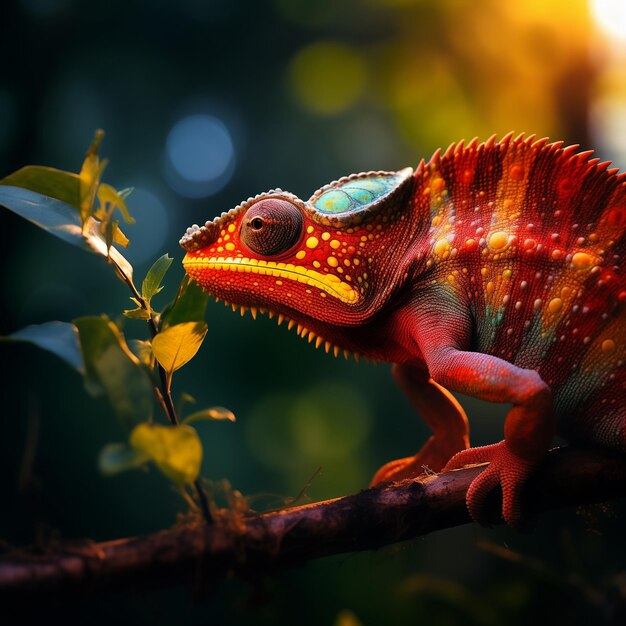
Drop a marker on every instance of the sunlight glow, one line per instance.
(610, 15)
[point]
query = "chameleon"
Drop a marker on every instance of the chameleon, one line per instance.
(493, 270)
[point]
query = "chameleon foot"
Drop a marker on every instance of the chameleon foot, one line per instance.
(505, 469)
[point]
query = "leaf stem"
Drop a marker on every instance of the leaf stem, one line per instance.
(165, 391)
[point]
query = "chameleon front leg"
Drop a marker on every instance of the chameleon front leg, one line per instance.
(528, 428)
(443, 414)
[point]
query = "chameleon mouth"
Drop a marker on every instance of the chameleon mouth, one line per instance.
(328, 283)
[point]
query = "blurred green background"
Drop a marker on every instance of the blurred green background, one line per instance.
(207, 102)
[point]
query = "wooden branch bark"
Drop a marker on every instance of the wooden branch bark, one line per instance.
(260, 544)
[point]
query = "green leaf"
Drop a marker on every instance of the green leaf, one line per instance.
(186, 398)
(60, 338)
(112, 369)
(61, 220)
(119, 457)
(152, 282)
(176, 450)
(189, 305)
(137, 314)
(214, 413)
(177, 345)
(124, 193)
(47, 181)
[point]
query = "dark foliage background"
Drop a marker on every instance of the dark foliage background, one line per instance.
(204, 104)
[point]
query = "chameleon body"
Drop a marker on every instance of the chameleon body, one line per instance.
(494, 270)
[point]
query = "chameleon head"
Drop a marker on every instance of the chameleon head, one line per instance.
(305, 260)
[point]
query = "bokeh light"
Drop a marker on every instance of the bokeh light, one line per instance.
(200, 156)
(325, 425)
(327, 77)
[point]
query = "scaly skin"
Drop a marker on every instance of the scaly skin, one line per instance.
(494, 270)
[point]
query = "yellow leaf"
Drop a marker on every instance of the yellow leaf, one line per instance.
(111, 199)
(119, 237)
(178, 344)
(176, 450)
(90, 175)
(214, 413)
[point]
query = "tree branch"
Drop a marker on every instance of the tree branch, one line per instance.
(252, 545)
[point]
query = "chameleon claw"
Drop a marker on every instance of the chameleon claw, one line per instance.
(506, 469)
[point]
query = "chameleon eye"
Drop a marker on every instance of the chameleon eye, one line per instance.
(271, 227)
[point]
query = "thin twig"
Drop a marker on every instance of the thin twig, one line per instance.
(165, 395)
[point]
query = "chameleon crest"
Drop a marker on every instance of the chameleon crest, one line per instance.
(494, 269)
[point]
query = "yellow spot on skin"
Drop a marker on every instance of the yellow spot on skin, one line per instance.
(357, 262)
(608, 346)
(334, 244)
(332, 261)
(279, 282)
(506, 274)
(230, 246)
(498, 240)
(301, 254)
(554, 306)
(325, 236)
(438, 184)
(582, 261)
(231, 228)
(436, 220)
(490, 287)
(309, 229)
(441, 247)
(312, 242)
(317, 264)
(346, 262)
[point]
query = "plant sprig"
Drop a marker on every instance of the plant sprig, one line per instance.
(81, 210)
